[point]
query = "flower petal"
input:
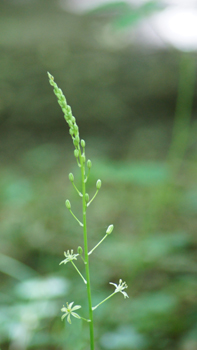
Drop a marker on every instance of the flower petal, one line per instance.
(70, 305)
(76, 307)
(114, 284)
(75, 315)
(68, 319)
(63, 316)
(125, 294)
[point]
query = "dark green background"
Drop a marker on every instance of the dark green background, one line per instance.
(124, 99)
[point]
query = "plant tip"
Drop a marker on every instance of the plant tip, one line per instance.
(71, 177)
(109, 229)
(68, 205)
(89, 163)
(98, 184)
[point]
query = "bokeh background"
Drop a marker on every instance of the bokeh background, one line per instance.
(128, 71)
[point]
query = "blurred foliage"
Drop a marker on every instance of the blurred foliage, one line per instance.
(160, 265)
(124, 102)
(124, 14)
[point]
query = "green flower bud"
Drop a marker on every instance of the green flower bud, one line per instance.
(98, 184)
(71, 177)
(87, 197)
(68, 108)
(109, 229)
(68, 205)
(71, 131)
(79, 250)
(62, 105)
(77, 138)
(76, 141)
(69, 115)
(83, 158)
(83, 143)
(89, 163)
(75, 128)
(76, 153)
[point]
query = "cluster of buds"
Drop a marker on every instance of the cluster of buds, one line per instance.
(66, 109)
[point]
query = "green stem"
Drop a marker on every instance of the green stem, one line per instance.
(78, 272)
(183, 111)
(92, 198)
(111, 295)
(86, 254)
(163, 195)
(79, 193)
(85, 319)
(98, 244)
(80, 223)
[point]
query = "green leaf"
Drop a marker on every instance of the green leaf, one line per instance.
(110, 7)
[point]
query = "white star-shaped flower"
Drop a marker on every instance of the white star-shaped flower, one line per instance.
(120, 288)
(69, 257)
(68, 311)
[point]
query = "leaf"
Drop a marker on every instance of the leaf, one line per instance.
(110, 7)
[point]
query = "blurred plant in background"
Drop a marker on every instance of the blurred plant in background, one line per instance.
(127, 87)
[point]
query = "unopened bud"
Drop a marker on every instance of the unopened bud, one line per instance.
(76, 153)
(71, 177)
(79, 250)
(83, 143)
(76, 141)
(68, 205)
(75, 127)
(89, 163)
(87, 197)
(109, 229)
(83, 158)
(98, 184)
(68, 109)
(71, 132)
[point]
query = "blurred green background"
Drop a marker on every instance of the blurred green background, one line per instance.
(141, 139)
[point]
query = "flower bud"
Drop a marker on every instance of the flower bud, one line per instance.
(77, 138)
(109, 229)
(98, 184)
(87, 197)
(89, 163)
(71, 132)
(83, 143)
(75, 128)
(76, 141)
(71, 177)
(68, 108)
(83, 158)
(76, 153)
(79, 250)
(68, 205)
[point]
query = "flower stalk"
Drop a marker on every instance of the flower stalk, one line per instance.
(79, 153)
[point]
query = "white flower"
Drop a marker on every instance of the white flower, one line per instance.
(69, 257)
(120, 288)
(69, 311)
